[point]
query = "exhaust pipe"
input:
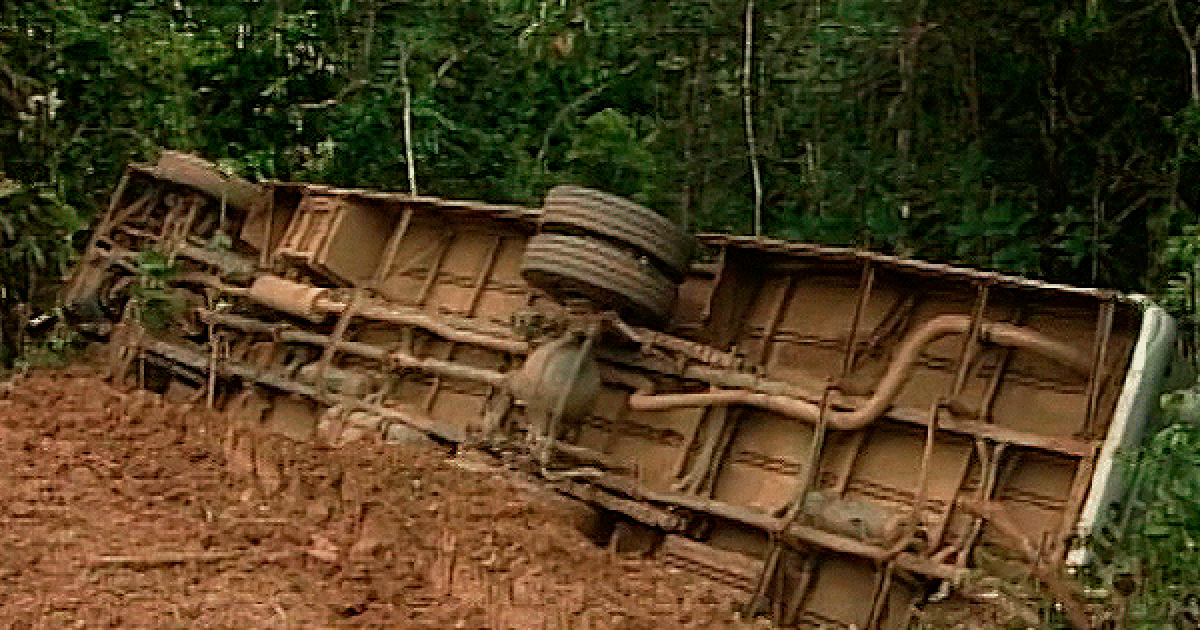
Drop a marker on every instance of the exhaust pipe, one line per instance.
(889, 386)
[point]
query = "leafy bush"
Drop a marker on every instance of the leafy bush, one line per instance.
(35, 253)
(155, 304)
(1179, 290)
(1152, 554)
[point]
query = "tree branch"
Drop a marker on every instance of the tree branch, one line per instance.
(368, 40)
(186, 557)
(448, 63)
(408, 145)
(748, 106)
(13, 92)
(1189, 42)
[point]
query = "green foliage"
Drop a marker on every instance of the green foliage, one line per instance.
(35, 229)
(1157, 552)
(606, 153)
(56, 349)
(154, 302)
(1052, 140)
(1179, 284)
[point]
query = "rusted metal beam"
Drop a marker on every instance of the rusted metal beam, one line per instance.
(993, 386)
(589, 455)
(799, 594)
(843, 254)
(447, 353)
(718, 418)
(391, 359)
(527, 217)
(435, 268)
(966, 356)
(332, 345)
(1058, 586)
(883, 585)
(460, 330)
(846, 469)
(391, 248)
(796, 534)
(804, 483)
(264, 255)
(766, 578)
(477, 287)
(485, 271)
(636, 510)
(729, 429)
(691, 434)
(692, 350)
(993, 476)
(943, 521)
(1104, 325)
(895, 319)
(917, 509)
(1076, 496)
(285, 383)
(864, 296)
(971, 340)
(778, 310)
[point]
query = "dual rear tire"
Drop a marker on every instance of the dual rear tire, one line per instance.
(609, 251)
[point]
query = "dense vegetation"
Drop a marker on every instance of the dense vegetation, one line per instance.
(1057, 139)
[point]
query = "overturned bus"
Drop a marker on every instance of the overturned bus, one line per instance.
(840, 434)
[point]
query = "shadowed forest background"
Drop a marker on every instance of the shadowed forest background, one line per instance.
(1059, 140)
(1055, 139)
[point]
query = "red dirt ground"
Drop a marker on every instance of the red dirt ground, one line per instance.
(120, 510)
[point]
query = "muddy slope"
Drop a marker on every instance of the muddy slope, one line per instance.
(119, 510)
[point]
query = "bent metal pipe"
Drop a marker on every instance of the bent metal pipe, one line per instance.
(889, 386)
